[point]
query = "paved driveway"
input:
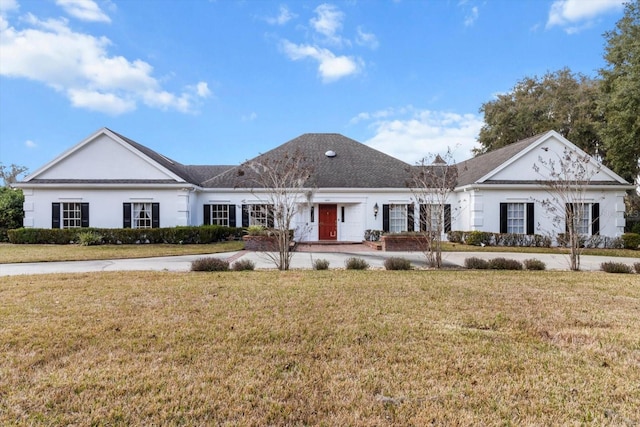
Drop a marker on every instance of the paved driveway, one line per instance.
(301, 260)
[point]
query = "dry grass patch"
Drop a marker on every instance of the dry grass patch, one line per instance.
(320, 347)
(37, 253)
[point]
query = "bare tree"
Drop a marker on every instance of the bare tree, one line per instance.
(566, 178)
(281, 181)
(431, 181)
(10, 174)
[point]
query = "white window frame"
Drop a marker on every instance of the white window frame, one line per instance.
(436, 217)
(71, 215)
(582, 220)
(259, 214)
(517, 218)
(219, 215)
(397, 218)
(138, 209)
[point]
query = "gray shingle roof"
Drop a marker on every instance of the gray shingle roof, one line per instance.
(355, 165)
(194, 174)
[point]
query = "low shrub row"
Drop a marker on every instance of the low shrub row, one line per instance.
(485, 238)
(100, 236)
(218, 264)
(503, 264)
(619, 267)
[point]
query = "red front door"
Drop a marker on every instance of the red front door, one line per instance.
(328, 222)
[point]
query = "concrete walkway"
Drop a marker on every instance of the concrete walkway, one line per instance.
(336, 255)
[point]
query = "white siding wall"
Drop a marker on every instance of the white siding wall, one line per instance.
(105, 206)
(103, 158)
(485, 210)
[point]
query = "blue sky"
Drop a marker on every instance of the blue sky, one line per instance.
(218, 82)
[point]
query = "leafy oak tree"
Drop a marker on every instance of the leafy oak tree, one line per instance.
(620, 100)
(11, 200)
(562, 101)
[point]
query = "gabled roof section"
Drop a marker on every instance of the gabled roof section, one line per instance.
(354, 164)
(513, 164)
(175, 167)
(471, 171)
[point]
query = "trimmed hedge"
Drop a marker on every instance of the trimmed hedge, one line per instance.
(631, 240)
(321, 264)
(244, 265)
(504, 264)
(354, 263)
(479, 238)
(616, 267)
(397, 263)
(210, 264)
(534, 264)
(476, 263)
(492, 264)
(116, 236)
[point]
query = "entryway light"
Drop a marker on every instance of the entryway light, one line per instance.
(375, 211)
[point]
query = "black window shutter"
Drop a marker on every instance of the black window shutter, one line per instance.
(568, 217)
(447, 218)
(410, 219)
(55, 215)
(206, 215)
(270, 214)
(503, 217)
(232, 216)
(385, 218)
(531, 224)
(423, 217)
(84, 214)
(126, 215)
(595, 219)
(155, 215)
(245, 215)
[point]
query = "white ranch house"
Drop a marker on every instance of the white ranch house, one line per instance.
(110, 181)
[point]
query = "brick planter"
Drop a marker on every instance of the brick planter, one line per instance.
(260, 243)
(403, 243)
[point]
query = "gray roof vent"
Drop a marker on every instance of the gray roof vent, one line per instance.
(330, 153)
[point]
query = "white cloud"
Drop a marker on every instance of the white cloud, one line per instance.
(328, 22)
(575, 15)
(202, 89)
(411, 134)
(330, 66)
(80, 66)
(366, 39)
(283, 17)
(8, 6)
(30, 144)
(85, 10)
(472, 16)
(249, 117)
